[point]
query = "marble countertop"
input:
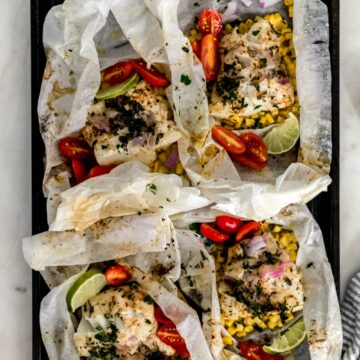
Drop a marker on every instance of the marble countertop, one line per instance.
(15, 199)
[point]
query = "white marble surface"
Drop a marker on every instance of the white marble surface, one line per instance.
(15, 207)
(15, 183)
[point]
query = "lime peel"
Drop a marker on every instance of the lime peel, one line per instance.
(118, 89)
(283, 137)
(290, 339)
(85, 287)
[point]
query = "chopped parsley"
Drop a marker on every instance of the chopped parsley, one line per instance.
(148, 300)
(151, 187)
(185, 80)
(256, 32)
(263, 62)
(257, 107)
(309, 265)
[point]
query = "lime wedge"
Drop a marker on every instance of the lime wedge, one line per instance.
(291, 338)
(118, 89)
(282, 138)
(85, 287)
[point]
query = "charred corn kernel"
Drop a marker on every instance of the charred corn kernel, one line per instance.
(231, 330)
(228, 27)
(277, 228)
(248, 329)
(269, 118)
(288, 2)
(249, 321)
(291, 11)
(227, 340)
(241, 334)
(156, 166)
(162, 157)
(249, 122)
(179, 169)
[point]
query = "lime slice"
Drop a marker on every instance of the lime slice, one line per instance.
(118, 89)
(291, 338)
(85, 287)
(282, 138)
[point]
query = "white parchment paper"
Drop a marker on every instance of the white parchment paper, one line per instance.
(321, 309)
(81, 37)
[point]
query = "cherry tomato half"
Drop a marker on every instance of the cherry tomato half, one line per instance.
(228, 140)
(195, 44)
(253, 351)
(210, 22)
(117, 73)
(74, 148)
(161, 317)
(100, 170)
(247, 229)
(246, 161)
(78, 170)
(170, 336)
(228, 224)
(209, 56)
(212, 234)
(255, 147)
(117, 275)
(151, 76)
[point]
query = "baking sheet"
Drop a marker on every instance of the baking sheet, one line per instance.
(320, 206)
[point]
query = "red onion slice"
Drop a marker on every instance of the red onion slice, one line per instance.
(273, 271)
(172, 159)
(255, 245)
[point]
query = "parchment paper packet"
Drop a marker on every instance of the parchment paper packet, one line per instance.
(206, 163)
(83, 37)
(57, 326)
(321, 309)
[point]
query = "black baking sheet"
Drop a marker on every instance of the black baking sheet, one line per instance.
(325, 207)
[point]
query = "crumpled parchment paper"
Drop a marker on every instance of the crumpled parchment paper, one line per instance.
(321, 309)
(57, 327)
(81, 37)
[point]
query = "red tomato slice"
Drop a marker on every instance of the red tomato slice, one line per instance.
(247, 229)
(100, 170)
(210, 22)
(74, 148)
(170, 336)
(161, 317)
(246, 161)
(255, 147)
(209, 56)
(212, 234)
(253, 351)
(117, 73)
(228, 140)
(78, 170)
(195, 44)
(117, 275)
(228, 224)
(151, 76)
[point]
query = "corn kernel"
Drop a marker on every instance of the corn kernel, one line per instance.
(271, 325)
(249, 23)
(248, 329)
(227, 340)
(269, 118)
(231, 330)
(291, 247)
(263, 120)
(193, 32)
(280, 119)
(249, 122)
(289, 316)
(239, 327)
(228, 323)
(249, 321)
(291, 11)
(288, 2)
(162, 157)
(275, 112)
(242, 28)
(274, 318)
(228, 27)
(277, 228)
(156, 166)
(179, 169)
(163, 169)
(288, 35)
(241, 334)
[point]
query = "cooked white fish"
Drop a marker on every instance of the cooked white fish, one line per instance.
(131, 127)
(251, 78)
(259, 275)
(122, 322)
